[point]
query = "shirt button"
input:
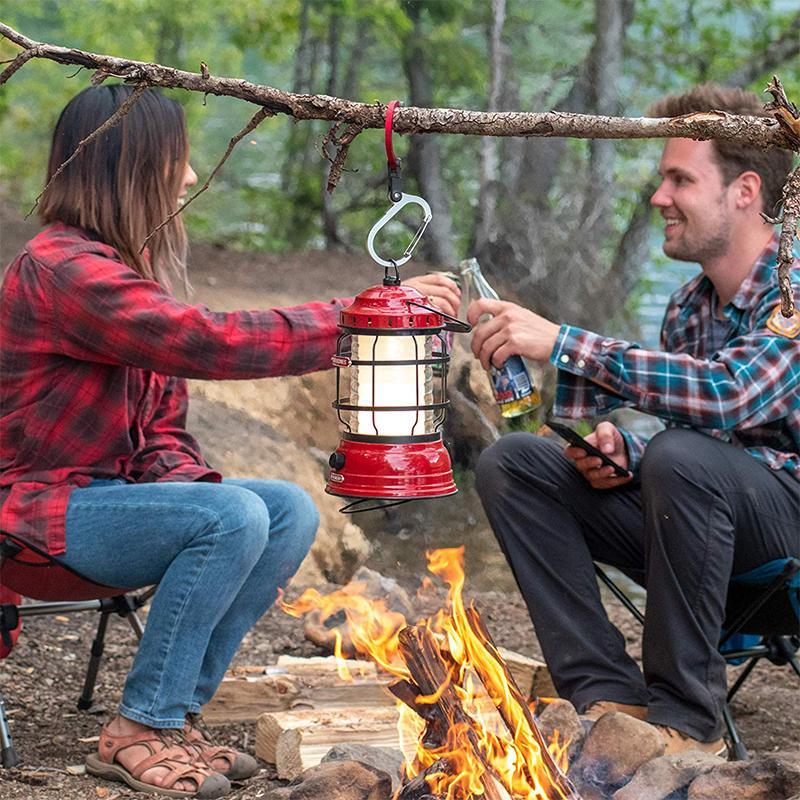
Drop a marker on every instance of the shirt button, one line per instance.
(564, 359)
(581, 363)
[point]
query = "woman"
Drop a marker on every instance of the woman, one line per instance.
(96, 465)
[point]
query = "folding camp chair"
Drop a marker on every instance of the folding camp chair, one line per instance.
(28, 571)
(762, 621)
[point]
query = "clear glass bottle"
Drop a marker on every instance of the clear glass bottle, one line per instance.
(513, 388)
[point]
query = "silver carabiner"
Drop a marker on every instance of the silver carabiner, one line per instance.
(405, 199)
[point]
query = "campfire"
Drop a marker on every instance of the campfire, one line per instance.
(465, 726)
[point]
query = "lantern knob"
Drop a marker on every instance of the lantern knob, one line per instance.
(336, 461)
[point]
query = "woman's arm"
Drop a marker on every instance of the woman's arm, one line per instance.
(103, 311)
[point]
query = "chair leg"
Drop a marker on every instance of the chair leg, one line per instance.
(8, 755)
(136, 624)
(737, 748)
(742, 677)
(98, 646)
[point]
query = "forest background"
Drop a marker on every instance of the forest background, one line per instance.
(563, 226)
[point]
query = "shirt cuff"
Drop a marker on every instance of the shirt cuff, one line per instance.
(635, 445)
(576, 353)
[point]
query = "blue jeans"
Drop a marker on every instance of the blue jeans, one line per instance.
(218, 553)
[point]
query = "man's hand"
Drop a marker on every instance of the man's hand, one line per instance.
(439, 290)
(512, 331)
(606, 438)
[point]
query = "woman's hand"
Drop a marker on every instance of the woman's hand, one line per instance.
(606, 438)
(439, 290)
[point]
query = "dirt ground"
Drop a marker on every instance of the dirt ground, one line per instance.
(43, 677)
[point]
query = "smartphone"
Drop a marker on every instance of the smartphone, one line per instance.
(576, 440)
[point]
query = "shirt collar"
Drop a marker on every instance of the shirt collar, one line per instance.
(761, 273)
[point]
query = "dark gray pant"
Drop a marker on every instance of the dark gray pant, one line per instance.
(702, 511)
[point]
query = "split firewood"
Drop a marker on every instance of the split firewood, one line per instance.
(511, 704)
(314, 683)
(434, 676)
(296, 740)
(532, 676)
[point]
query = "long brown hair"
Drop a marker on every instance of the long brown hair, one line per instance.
(125, 182)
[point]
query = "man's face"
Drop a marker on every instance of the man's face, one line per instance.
(696, 206)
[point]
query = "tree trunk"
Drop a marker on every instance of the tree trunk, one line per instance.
(330, 228)
(486, 221)
(606, 60)
(424, 155)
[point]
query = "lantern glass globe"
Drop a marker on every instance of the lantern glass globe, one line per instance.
(384, 385)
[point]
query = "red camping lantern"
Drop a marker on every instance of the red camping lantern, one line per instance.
(391, 378)
(391, 397)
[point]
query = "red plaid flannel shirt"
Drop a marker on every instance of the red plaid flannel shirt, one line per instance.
(93, 361)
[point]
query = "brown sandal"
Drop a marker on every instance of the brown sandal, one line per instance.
(239, 765)
(164, 752)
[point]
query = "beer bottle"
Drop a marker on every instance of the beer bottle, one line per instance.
(513, 389)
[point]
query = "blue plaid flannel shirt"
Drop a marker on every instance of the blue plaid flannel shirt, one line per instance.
(747, 393)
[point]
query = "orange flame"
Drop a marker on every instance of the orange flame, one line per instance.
(479, 750)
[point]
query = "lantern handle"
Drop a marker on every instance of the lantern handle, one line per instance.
(453, 323)
(359, 505)
(405, 199)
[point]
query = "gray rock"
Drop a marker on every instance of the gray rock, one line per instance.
(614, 749)
(559, 716)
(279, 794)
(772, 777)
(342, 780)
(659, 778)
(386, 759)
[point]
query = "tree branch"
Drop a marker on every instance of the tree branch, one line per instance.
(756, 131)
(255, 121)
(109, 123)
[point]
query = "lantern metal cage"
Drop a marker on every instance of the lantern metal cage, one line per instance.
(391, 362)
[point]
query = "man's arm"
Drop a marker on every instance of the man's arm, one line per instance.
(750, 381)
(747, 382)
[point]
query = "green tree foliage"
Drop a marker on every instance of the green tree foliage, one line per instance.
(270, 193)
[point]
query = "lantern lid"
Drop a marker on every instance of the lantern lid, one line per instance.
(391, 307)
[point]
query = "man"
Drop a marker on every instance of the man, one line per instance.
(716, 494)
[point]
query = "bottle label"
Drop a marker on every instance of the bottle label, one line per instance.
(511, 382)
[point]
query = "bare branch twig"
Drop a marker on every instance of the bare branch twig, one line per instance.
(255, 121)
(791, 219)
(16, 63)
(107, 125)
(342, 146)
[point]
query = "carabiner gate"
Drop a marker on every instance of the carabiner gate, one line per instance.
(405, 199)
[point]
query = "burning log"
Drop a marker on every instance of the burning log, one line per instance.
(418, 788)
(510, 703)
(433, 696)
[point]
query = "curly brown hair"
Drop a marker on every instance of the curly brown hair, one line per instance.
(771, 164)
